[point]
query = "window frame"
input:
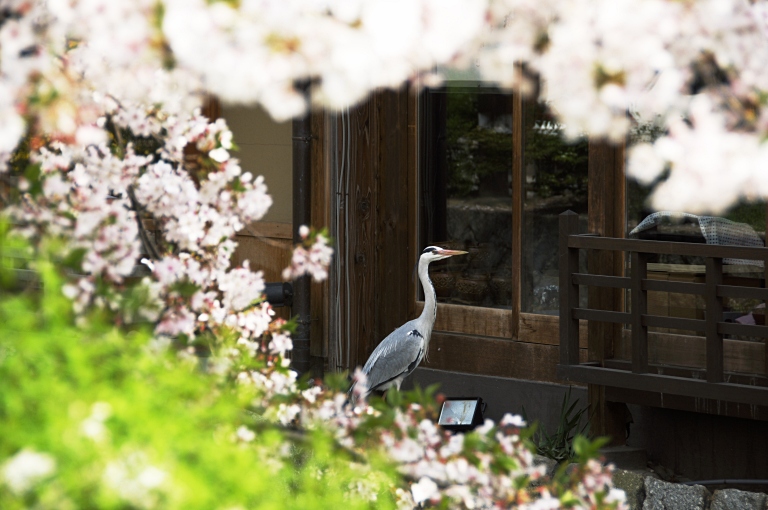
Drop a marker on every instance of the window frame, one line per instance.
(501, 338)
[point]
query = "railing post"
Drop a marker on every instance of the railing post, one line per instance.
(639, 296)
(569, 292)
(714, 312)
(765, 303)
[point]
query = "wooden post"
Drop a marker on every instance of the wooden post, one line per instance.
(569, 293)
(714, 316)
(606, 217)
(639, 308)
(320, 183)
(302, 215)
(765, 284)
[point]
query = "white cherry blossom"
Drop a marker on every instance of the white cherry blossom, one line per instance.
(22, 471)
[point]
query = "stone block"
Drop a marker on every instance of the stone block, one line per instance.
(660, 495)
(633, 485)
(733, 499)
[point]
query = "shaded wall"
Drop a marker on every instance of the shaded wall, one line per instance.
(265, 149)
(696, 446)
(702, 446)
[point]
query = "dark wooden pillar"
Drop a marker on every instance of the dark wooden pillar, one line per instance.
(606, 218)
(302, 208)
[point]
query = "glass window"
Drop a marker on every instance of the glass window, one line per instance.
(466, 192)
(555, 174)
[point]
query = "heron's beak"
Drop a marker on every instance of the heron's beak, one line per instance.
(451, 253)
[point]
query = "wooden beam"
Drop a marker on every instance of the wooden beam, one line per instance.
(738, 393)
(683, 403)
(668, 248)
(518, 196)
(614, 282)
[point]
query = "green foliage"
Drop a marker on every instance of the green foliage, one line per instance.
(751, 213)
(129, 425)
(584, 449)
(562, 445)
(473, 153)
(561, 166)
(104, 415)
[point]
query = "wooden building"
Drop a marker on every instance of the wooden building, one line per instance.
(490, 172)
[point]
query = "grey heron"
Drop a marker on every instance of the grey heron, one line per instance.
(403, 349)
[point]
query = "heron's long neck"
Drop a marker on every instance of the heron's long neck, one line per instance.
(427, 317)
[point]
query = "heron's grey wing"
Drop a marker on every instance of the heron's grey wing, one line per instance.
(395, 356)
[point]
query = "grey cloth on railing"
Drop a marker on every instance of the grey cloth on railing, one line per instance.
(714, 229)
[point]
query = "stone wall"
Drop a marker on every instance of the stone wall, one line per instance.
(645, 491)
(648, 493)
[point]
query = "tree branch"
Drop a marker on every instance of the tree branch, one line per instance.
(146, 240)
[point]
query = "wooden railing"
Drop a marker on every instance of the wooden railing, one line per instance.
(639, 374)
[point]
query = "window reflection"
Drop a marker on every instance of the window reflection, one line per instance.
(466, 193)
(555, 173)
(466, 156)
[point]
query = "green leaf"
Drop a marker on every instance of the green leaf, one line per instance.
(185, 288)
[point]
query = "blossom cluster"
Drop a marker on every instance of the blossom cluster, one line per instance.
(312, 256)
(256, 51)
(695, 68)
(490, 466)
(100, 197)
(65, 63)
(593, 59)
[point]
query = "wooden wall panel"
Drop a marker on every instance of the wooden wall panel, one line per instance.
(267, 246)
(471, 320)
(393, 268)
(361, 227)
(495, 357)
(545, 329)
(494, 322)
(412, 198)
(376, 243)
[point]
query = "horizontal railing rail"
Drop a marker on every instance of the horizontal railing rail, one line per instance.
(638, 373)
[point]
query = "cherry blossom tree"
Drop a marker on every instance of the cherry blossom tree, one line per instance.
(101, 134)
